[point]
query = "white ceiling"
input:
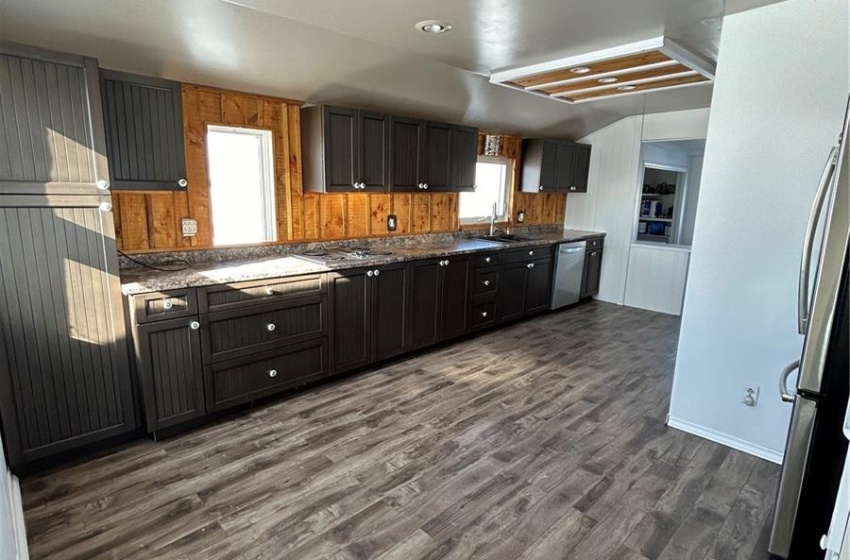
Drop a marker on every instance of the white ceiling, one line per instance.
(368, 54)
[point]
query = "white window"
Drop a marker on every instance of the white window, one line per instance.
(492, 180)
(241, 171)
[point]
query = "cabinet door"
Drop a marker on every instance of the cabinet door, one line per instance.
(51, 129)
(581, 168)
(512, 280)
(538, 288)
(389, 311)
(424, 301)
(351, 319)
(340, 130)
(455, 298)
(592, 270)
(437, 174)
(564, 167)
(62, 332)
(143, 118)
(549, 167)
(464, 158)
(374, 137)
(407, 146)
(168, 358)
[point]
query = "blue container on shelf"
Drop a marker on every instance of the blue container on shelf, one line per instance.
(655, 228)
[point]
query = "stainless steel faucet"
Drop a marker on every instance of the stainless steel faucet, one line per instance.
(493, 219)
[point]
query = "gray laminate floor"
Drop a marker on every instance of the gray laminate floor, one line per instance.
(544, 440)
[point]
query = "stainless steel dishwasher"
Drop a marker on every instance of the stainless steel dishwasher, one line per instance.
(569, 269)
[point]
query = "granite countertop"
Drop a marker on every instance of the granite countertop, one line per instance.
(138, 279)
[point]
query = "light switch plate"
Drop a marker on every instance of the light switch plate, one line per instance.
(189, 226)
(520, 216)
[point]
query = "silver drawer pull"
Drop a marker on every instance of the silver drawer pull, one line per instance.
(486, 282)
(377, 272)
(572, 188)
(531, 253)
(272, 373)
(593, 254)
(484, 314)
(271, 327)
(487, 259)
(269, 291)
(194, 325)
(370, 273)
(167, 304)
(530, 265)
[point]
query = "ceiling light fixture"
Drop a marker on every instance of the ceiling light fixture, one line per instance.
(580, 70)
(433, 26)
(626, 88)
(607, 80)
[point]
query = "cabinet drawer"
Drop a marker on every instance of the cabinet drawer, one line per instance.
(528, 254)
(595, 242)
(483, 314)
(233, 296)
(485, 283)
(160, 306)
(232, 335)
(238, 381)
(487, 259)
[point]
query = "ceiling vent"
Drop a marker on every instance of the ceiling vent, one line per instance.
(651, 65)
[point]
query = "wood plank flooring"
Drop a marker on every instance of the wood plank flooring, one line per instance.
(543, 440)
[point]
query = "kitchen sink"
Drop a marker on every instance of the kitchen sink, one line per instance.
(506, 238)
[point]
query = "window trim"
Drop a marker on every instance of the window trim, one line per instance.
(269, 190)
(504, 197)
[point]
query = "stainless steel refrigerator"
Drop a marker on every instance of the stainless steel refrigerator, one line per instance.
(816, 448)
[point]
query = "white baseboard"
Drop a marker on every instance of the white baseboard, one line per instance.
(20, 527)
(735, 443)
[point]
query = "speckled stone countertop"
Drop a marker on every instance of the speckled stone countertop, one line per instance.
(240, 265)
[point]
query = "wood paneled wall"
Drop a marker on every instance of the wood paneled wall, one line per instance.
(150, 221)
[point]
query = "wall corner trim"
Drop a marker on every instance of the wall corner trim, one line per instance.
(771, 455)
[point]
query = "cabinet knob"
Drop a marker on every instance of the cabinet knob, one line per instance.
(167, 304)
(487, 259)
(271, 327)
(269, 291)
(272, 373)
(486, 282)
(102, 185)
(530, 265)
(182, 183)
(370, 273)
(572, 188)
(593, 253)
(447, 262)
(377, 272)
(194, 325)
(483, 313)
(540, 188)
(531, 253)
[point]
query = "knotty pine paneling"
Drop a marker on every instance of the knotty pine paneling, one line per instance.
(150, 221)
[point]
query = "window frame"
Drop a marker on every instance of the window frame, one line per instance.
(268, 193)
(504, 197)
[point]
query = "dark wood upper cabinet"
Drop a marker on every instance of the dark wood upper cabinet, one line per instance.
(554, 166)
(345, 150)
(51, 124)
(143, 119)
(437, 170)
(464, 158)
(407, 153)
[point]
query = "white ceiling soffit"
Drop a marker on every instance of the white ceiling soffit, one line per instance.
(637, 68)
(369, 55)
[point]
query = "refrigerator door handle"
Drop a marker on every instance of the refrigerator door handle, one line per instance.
(784, 392)
(809, 241)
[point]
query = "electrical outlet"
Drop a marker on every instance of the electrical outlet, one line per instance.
(751, 395)
(392, 222)
(520, 216)
(189, 226)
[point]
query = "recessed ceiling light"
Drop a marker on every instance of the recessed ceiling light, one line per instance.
(626, 88)
(433, 26)
(607, 80)
(580, 70)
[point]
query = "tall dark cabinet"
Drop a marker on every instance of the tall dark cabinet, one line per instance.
(64, 360)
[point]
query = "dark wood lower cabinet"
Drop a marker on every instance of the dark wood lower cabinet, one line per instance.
(512, 291)
(389, 327)
(439, 300)
(525, 288)
(591, 274)
(168, 362)
(454, 298)
(349, 293)
(538, 289)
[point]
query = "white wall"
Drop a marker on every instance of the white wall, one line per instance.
(781, 88)
(656, 277)
(12, 537)
(610, 202)
(686, 237)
